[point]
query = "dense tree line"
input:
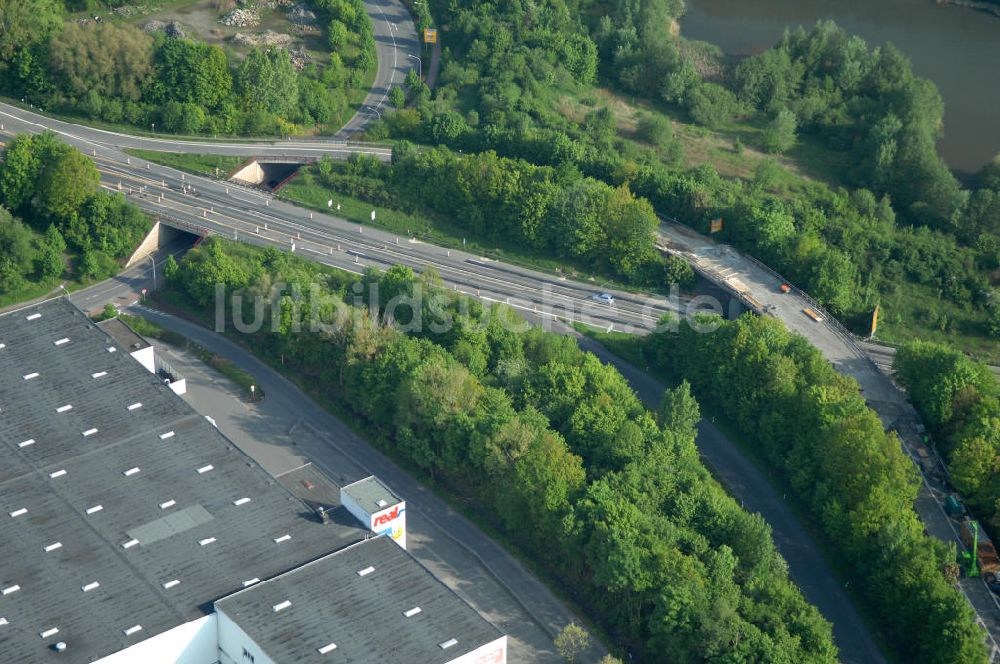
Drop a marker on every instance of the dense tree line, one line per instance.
(117, 73)
(813, 427)
(54, 189)
(959, 400)
(549, 444)
(496, 199)
(892, 239)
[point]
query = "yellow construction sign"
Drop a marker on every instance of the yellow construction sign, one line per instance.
(874, 321)
(430, 35)
(715, 225)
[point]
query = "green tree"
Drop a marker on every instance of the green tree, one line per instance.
(397, 97)
(16, 252)
(989, 176)
(779, 134)
(338, 35)
(65, 184)
(655, 129)
(24, 23)
(170, 268)
(572, 642)
(193, 73)
(711, 105)
(268, 81)
(107, 59)
(679, 411)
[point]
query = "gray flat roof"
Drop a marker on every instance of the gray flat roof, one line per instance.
(126, 337)
(371, 494)
(362, 614)
(98, 452)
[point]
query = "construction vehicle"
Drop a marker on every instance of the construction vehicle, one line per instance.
(982, 556)
(812, 314)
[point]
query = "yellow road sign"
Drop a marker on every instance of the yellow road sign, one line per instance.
(430, 35)
(715, 226)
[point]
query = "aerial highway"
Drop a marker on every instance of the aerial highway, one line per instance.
(205, 206)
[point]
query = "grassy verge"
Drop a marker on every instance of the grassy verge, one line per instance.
(165, 301)
(210, 165)
(237, 375)
(630, 348)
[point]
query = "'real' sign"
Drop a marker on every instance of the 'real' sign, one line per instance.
(391, 522)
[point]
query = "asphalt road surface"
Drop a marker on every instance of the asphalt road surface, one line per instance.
(398, 50)
(255, 217)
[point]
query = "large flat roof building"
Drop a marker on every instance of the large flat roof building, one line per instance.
(125, 517)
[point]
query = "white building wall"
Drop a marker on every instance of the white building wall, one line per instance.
(146, 358)
(392, 522)
(355, 509)
(494, 652)
(191, 643)
(235, 646)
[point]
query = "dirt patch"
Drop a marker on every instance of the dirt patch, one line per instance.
(200, 20)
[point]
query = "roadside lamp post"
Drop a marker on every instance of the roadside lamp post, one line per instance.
(420, 64)
(152, 259)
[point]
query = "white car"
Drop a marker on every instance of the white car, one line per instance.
(603, 298)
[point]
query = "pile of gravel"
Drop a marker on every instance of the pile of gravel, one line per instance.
(301, 15)
(241, 18)
(171, 29)
(267, 38)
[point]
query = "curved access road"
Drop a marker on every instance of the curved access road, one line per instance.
(398, 49)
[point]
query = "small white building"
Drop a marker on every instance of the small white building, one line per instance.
(375, 505)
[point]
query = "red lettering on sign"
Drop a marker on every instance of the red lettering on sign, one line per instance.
(495, 657)
(383, 519)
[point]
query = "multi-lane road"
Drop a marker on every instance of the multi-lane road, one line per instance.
(208, 206)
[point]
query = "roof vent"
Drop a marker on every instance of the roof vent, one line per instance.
(95, 509)
(89, 432)
(32, 316)
(241, 501)
(63, 409)
(3, 621)
(10, 589)
(129, 544)
(132, 630)
(366, 571)
(447, 644)
(409, 613)
(131, 471)
(60, 342)
(382, 503)
(30, 375)
(283, 538)
(164, 436)
(52, 547)
(58, 473)
(135, 405)
(51, 631)
(330, 647)
(111, 349)
(99, 374)
(281, 606)
(250, 582)
(59, 646)
(170, 584)
(206, 541)
(19, 512)
(93, 585)
(30, 441)
(205, 469)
